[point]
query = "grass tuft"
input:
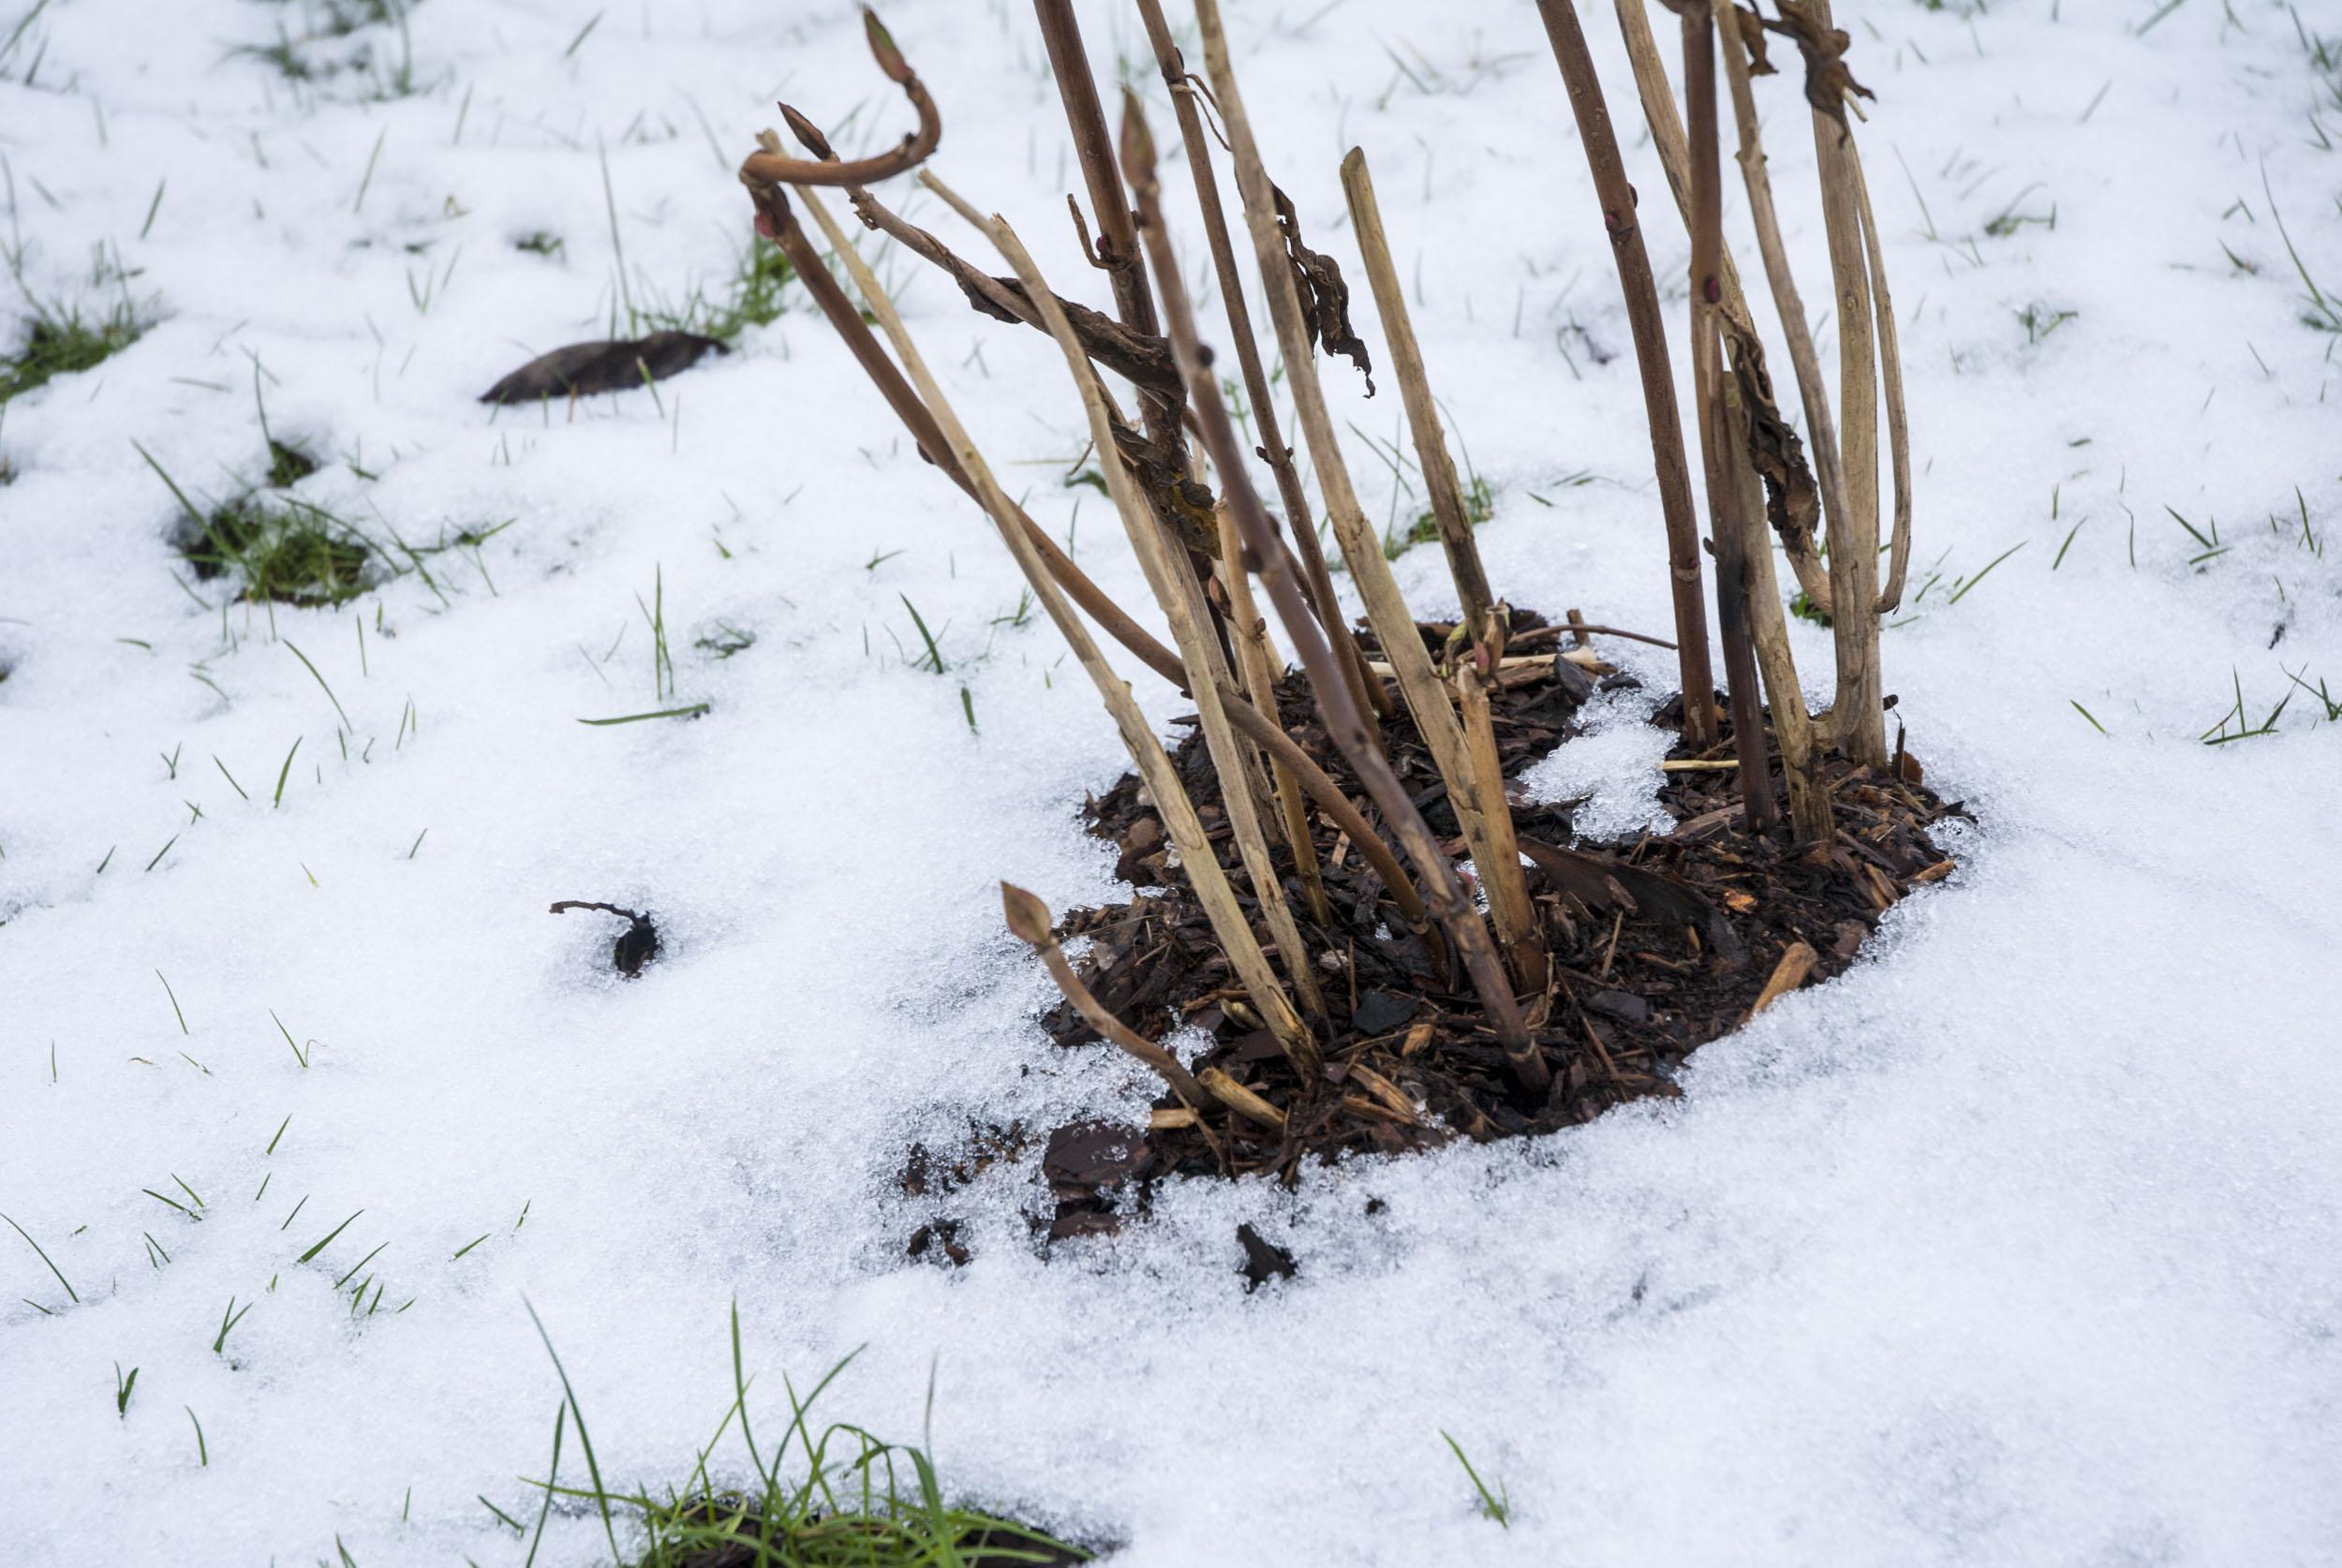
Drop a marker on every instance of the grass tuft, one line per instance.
(63, 341)
(291, 551)
(754, 295)
(830, 1495)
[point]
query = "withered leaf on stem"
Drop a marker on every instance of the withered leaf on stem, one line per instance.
(584, 369)
(1752, 29)
(1828, 82)
(1139, 358)
(1792, 499)
(1325, 297)
(1186, 504)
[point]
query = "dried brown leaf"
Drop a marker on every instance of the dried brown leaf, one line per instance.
(1792, 499)
(1752, 28)
(583, 369)
(1828, 82)
(1325, 297)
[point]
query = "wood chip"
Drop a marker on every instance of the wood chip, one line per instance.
(1164, 1118)
(1394, 1099)
(1739, 902)
(1935, 873)
(1787, 975)
(1243, 1102)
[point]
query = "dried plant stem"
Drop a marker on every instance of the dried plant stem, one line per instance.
(1715, 438)
(1317, 582)
(1118, 253)
(1181, 603)
(1658, 97)
(1094, 149)
(781, 226)
(1891, 373)
(770, 166)
(1810, 815)
(1029, 918)
(1361, 548)
(1178, 813)
(1267, 555)
(1860, 711)
(1812, 575)
(1415, 389)
(1260, 663)
(1648, 328)
(1508, 894)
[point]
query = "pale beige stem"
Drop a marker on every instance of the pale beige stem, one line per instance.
(1414, 391)
(1260, 680)
(1176, 590)
(1267, 556)
(1891, 371)
(1029, 918)
(1861, 715)
(1801, 758)
(919, 420)
(1235, 934)
(1812, 574)
(1657, 97)
(1717, 437)
(1317, 582)
(1517, 918)
(1243, 1102)
(1394, 625)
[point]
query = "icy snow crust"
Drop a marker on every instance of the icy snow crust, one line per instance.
(2017, 1245)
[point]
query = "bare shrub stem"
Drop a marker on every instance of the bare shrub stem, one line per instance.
(1648, 328)
(1267, 556)
(1715, 435)
(1317, 582)
(1181, 604)
(1178, 813)
(1415, 389)
(1361, 547)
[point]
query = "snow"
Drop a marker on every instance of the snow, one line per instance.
(2016, 1245)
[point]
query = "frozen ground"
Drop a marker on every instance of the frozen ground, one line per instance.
(2021, 1244)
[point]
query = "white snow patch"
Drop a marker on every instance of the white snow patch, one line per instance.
(1611, 767)
(2015, 1245)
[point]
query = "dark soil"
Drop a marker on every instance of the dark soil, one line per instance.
(1657, 946)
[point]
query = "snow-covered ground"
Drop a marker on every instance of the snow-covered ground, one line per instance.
(2020, 1244)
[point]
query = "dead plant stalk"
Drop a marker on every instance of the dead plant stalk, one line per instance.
(1859, 710)
(1267, 556)
(1707, 293)
(1178, 813)
(1182, 604)
(1649, 329)
(1316, 582)
(1385, 608)
(779, 225)
(1423, 424)
(1812, 576)
(1029, 918)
